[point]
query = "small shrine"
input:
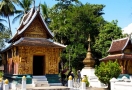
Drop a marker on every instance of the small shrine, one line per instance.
(32, 50)
(88, 63)
(121, 50)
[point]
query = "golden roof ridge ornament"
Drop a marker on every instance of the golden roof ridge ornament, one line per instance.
(89, 61)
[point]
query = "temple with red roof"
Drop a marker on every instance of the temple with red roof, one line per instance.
(121, 50)
(32, 49)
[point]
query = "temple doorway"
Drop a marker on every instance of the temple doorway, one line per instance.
(38, 65)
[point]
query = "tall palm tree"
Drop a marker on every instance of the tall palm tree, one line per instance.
(4, 33)
(7, 8)
(25, 6)
(45, 12)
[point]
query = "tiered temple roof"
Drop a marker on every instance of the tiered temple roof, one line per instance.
(120, 49)
(19, 39)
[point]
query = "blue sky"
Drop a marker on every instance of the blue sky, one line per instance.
(120, 10)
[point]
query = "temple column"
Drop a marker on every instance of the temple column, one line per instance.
(124, 66)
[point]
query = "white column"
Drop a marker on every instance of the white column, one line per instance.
(70, 83)
(6, 85)
(23, 83)
(1, 82)
(83, 84)
(112, 83)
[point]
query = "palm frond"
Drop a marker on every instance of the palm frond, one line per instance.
(44, 9)
(17, 17)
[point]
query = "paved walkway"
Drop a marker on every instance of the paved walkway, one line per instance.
(46, 88)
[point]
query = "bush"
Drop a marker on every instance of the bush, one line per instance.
(106, 71)
(1, 74)
(87, 82)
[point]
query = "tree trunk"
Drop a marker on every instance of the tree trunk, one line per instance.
(9, 25)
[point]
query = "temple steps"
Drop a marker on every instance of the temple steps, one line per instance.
(40, 81)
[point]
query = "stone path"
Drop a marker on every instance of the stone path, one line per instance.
(47, 88)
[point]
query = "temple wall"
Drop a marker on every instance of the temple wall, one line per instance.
(26, 59)
(21, 62)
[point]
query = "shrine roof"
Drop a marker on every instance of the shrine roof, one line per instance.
(27, 20)
(42, 42)
(118, 57)
(118, 45)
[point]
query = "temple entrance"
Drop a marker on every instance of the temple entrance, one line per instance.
(38, 65)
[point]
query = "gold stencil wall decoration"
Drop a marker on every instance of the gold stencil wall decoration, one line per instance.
(36, 30)
(51, 61)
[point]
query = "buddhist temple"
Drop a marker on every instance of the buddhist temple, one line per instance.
(121, 50)
(32, 49)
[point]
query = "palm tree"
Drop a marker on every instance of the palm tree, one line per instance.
(45, 12)
(7, 9)
(25, 5)
(4, 33)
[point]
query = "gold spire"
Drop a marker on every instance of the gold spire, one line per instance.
(89, 61)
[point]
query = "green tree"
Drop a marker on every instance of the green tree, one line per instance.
(72, 26)
(107, 71)
(25, 6)
(7, 8)
(64, 4)
(108, 32)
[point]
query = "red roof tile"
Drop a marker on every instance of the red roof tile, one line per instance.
(118, 45)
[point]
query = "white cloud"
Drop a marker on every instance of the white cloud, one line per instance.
(128, 29)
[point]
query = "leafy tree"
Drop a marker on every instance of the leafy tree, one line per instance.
(7, 8)
(108, 31)
(72, 26)
(107, 71)
(25, 6)
(64, 4)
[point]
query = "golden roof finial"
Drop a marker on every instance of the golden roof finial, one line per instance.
(89, 38)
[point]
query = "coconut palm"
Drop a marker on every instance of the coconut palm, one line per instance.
(4, 33)
(25, 6)
(7, 8)
(45, 12)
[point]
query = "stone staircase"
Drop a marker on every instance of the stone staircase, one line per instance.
(40, 81)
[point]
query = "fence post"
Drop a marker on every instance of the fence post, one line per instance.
(70, 83)
(112, 83)
(83, 87)
(23, 83)
(1, 82)
(6, 85)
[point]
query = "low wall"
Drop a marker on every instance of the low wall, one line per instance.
(122, 84)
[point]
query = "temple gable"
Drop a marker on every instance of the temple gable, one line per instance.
(36, 30)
